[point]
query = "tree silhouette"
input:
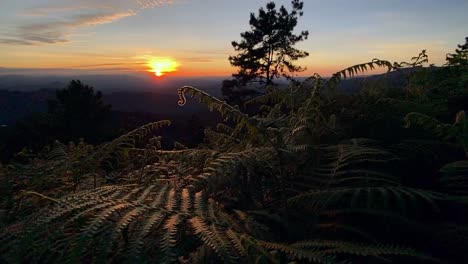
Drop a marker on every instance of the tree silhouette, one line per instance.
(460, 57)
(79, 112)
(266, 51)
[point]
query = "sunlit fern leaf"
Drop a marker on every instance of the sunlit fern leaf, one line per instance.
(169, 239)
(129, 217)
(172, 202)
(125, 216)
(153, 220)
(236, 242)
(89, 202)
(303, 255)
(160, 197)
(200, 204)
(214, 236)
(104, 216)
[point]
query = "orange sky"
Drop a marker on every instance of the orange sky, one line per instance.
(117, 36)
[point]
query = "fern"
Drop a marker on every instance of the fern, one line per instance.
(278, 187)
(117, 151)
(134, 217)
(444, 131)
(341, 247)
(227, 111)
(367, 197)
(357, 69)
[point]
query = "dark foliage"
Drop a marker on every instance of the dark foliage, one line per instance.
(79, 112)
(267, 51)
(460, 57)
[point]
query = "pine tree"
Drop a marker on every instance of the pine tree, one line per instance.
(460, 57)
(266, 51)
(79, 112)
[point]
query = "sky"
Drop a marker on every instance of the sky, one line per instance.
(120, 36)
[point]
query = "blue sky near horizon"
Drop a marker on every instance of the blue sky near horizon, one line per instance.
(119, 35)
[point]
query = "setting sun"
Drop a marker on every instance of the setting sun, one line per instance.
(161, 66)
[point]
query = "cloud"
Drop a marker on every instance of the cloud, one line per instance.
(108, 64)
(51, 32)
(146, 4)
(197, 60)
(54, 24)
(63, 71)
(48, 10)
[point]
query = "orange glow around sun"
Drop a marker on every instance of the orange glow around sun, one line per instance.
(161, 66)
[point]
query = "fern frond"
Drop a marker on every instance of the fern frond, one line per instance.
(296, 253)
(213, 103)
(130, 214)
(443, 131)
(357, 69)
(152, 221)
(222, 170)
(213, 236)
(366, 197)
(117, 150)
(169, 239)
(342, 247)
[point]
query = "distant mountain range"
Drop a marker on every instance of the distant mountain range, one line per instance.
(21, 95)
(15, 105)
(109, 83)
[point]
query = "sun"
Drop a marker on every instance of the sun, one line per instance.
(161, 66)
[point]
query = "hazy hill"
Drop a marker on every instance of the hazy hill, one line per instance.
(109, 83)
(22, 95)
(15, 105)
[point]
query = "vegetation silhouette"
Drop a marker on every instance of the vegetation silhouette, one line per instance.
(460, 57)
(79, 112)
(315, 175)
(288, 184)
(266, 52)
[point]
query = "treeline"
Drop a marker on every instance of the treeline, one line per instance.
(79, 113)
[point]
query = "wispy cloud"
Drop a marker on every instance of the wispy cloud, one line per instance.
(198, 60)
(54, 24)
(109, 64)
